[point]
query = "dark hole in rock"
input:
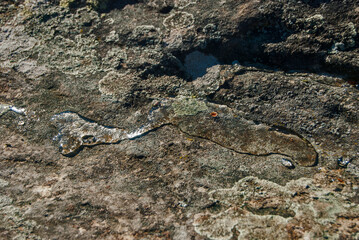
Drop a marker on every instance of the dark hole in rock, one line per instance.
(262, 45)
(354, 81)
(72, 4)
(196, 63)
(315, 3)
(166, 9)
(333, 110)
(89, 139)
(103, 6)
(119, 4)
(283, 212)
(47, 17)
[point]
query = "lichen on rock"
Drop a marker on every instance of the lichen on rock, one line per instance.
(66, 3)
(212, 105)
(117, 86)
(189, 107)
(179, 20)
(256, 208)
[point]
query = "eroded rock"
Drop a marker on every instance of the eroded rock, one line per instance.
(180, 139)
(256, 208)
(76, 132)
(193, 117)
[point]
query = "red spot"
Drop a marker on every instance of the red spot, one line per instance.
(214, 114)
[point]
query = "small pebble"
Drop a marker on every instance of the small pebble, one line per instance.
(182, 204)
(287, 163)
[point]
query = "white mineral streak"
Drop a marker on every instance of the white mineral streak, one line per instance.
(76, 132)
(21, 111)
(181, 4)
(287, 163)
(6, 107)
(138, 132)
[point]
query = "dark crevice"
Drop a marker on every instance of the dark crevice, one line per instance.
(288, 131)
(186, 133)
(119, 4)
(315, 3)
(229, 148)
(166, 9)
(264, 40)
(102, 6)
(252, 51)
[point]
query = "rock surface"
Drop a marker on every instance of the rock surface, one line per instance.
(179, 119)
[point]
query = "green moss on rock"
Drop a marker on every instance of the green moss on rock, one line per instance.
(189, 106)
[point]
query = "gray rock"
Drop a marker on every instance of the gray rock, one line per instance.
(184, 110)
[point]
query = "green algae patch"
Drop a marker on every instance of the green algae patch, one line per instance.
(189, 107)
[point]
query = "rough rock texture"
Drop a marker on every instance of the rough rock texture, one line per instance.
(179, 119)
(304, 208)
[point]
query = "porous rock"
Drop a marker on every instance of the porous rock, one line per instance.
(192, 156)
